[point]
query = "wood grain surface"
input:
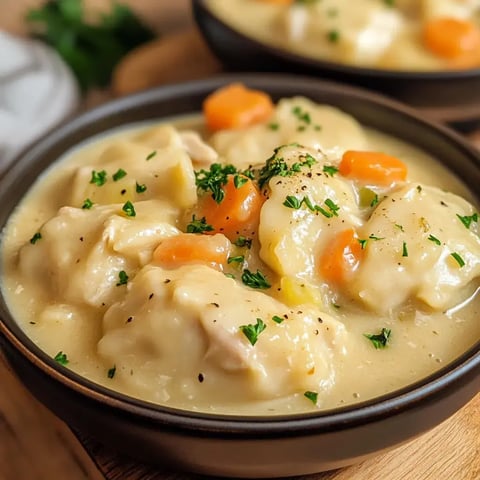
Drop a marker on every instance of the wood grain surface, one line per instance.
(35, 445)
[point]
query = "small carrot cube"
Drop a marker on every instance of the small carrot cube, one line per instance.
(235, 106)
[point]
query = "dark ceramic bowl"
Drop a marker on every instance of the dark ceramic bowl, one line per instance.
(235, 445)
(448, 96)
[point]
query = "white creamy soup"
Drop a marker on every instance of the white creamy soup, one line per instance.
(293, 261)
(386, 34)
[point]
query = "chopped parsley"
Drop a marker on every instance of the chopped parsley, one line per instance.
(214, 179)
(404, 249)
(381, 339)
(389, 3)
(242, 241)
(111, 372)
(302, 115)
(255, 280)
(122, 278)
(435, 240)
(120, 173)
(129, 209)
(468, 219)
(312, 396)
(458, 259)
(400, 227)
(293, 202)
(36, 237)
(151, 155)
(230, 275)
(239, 180)
(140, 188)
(363, 243)
(253, 331)
(61, 358)
(199, 226)
(236, 259)
(277, 319)
(333, 36)
(98, 178)
(273, 126)
(330, 170)
(87, 204)
(277, 167)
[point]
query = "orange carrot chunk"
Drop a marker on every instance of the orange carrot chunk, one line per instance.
(191, 248)
(372, 167)
(451, 38)
(341, 257)
(239, 211)
(235, 106)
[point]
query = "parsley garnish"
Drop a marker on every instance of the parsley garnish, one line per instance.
(253, 331)
(98, 178)
(214, 179)
(61, 358)
(120, 173)
(199, 226)
(111, 372)
(404, 250)
(230, 275)
(301, 115)
(400, 227)
(277, 167)
(293, 202)
(468, 219)
(36, 236)
(140, 188)
(434, 240)
(239, 180)
(87, 204)
(236, 259)
(458, 259)
(373, 237)
(333, 36)
(277, 319)
(381, 339)
(129, 209)
(151, 155)
(122, 278)
(330, 170)
(312, 396)
(273, 126)
(362, 242)
(255, 280)
(242, 241)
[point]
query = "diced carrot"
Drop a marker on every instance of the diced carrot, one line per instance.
(452, 38)
(341, 257)
(235, 106)
(191, 248)
(372, 167)
(239, 211)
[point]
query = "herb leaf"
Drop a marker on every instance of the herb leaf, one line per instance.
(120, 173)
(61, 358)
(312, 396)
(381, 339)
(151, 155)
(277, 319)
(87, 204)
(199, 226)
(91, 49)
(98, 178)
(435, 240)
(129, 209)
(36, 236)
(140, 188)
(404, 249)
(111, 372)
(122, 278)
(458, 259)
(236, 259)
(253, 331)
(242, 241)
(330, 170)
(255, 280)
(214, 179)
(468, 219)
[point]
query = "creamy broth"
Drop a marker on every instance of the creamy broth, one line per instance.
(174, 334)
(366, 33)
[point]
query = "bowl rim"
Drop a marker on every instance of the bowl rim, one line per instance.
(200, 7)
(225, 424)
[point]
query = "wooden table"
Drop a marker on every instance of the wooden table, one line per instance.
(35, 445)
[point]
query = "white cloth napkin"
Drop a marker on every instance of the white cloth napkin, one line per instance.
(37, 91)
